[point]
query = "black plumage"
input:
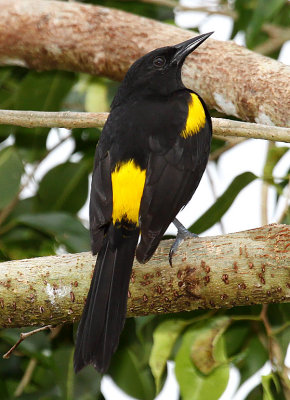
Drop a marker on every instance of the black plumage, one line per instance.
(149, 161)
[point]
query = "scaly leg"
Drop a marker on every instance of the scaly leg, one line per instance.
(182, 234)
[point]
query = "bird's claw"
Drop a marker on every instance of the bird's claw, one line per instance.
(182, 234)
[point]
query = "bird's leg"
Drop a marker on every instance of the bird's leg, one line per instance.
(182, 234)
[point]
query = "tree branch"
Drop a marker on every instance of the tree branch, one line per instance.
(249, 267)
(65, 119)
(48, 35)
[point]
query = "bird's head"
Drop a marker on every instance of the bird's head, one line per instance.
(159, 72)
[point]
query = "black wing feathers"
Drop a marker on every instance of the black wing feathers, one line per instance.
(171, 180)
(100, 200)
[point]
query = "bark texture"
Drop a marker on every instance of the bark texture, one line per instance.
(67, 35)
(249, 267)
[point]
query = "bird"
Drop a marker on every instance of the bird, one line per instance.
(149, 160)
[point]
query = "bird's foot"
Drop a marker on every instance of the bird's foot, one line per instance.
(182, 234)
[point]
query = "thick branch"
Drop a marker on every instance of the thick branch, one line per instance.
(250, 267)
(67, 35)
(66, 119)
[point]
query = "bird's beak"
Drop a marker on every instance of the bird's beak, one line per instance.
(184, 48)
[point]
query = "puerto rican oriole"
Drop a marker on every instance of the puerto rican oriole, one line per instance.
(150, 158)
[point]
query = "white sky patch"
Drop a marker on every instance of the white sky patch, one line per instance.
(54, 293)
(240, 38)
(222, 26)
(284, 53)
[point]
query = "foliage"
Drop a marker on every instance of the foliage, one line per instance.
(46, 221)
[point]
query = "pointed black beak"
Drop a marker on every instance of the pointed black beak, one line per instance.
(185, 48)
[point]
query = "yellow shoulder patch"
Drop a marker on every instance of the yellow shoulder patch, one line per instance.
(195, 117)
(128, 181)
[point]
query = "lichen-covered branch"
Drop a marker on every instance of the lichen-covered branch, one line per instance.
(249, 267)
(72, 36)
(66, 119)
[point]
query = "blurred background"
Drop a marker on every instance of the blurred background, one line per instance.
(44, 179)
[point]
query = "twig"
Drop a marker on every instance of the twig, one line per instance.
(26, 377)
(269, 333)
(7, 210)
(23, 336)
(62, 119)
(67, 119)
(33, 362)
(245, 318)
(55, 330)
(280, 328)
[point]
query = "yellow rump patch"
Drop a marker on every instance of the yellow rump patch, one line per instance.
(128, 181)
(195, 117)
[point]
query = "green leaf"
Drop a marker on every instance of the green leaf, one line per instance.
(273, 157)
(244, 10)
(267, 389)
(193, 384)
(96, 97)
(263, 12)
(207, 352)
(149, 10)
(280, 186)
(255, 357)
(144, 328)
(11, 170)
(63, 370)
(131, 375)
(85, 141)
(283, 336)
(235, 337)
(278, 315)
(216, 144)
(256, 393)
(131, 360)
(41, 92)
(223, 203)
(164, 338)
(3, 389)
(87, 384)
(65, 187)
(64, 227)
(24, 242)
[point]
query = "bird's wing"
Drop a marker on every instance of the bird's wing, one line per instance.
(101, 197)
(172, 177)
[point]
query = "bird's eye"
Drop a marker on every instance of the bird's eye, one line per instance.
(159, 62)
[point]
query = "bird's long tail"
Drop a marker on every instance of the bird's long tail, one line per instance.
(104, 314)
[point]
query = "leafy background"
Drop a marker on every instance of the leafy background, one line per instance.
(39, 215)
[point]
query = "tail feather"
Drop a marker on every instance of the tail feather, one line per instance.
(104, 314)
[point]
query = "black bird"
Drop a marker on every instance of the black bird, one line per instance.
(148, 163)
